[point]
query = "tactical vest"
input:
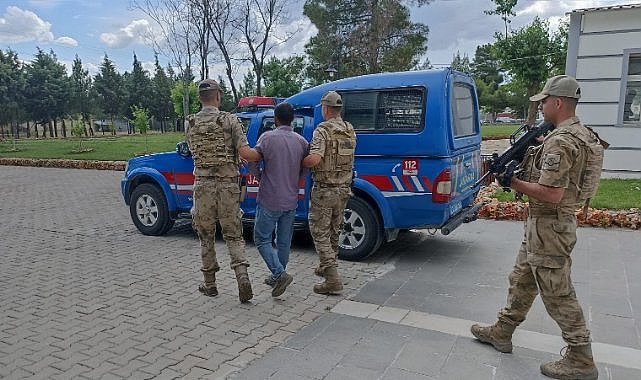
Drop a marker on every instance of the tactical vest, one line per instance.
(530, 168)
(338, 162)
(592, 163)
(210, 141)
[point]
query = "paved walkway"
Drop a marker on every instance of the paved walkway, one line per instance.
(413, 322)
(84, 295)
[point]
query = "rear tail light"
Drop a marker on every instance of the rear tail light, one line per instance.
(442, 188)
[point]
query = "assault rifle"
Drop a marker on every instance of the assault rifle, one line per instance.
(520, 140)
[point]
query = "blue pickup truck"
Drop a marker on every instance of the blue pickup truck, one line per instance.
(417, 159)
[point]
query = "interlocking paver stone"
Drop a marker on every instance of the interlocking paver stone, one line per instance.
(84, 295)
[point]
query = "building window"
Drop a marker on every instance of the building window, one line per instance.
(632, 101)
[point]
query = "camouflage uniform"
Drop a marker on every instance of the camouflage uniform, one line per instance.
(334, 140)
(214, 139)
(543, 262)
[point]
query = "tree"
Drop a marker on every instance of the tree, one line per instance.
(284, 77)
(361, 37)
(177, 99)
(139, 89)
(559, 46)
(141, 121)
(161, 106)
(461, 63)
(82, 99)
(259, 21)
(175, 28)
(487, 75)
(222, 26)
(228, 103)
(48, 90)
(504, 8)
(77, 131)
(527, 55)
(110, 89)
(12, 86)
(248, 87)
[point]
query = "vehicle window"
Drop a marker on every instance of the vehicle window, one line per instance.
(385, 110)
(268, 125)
(463, 111)
(245, 121)
(297, 125)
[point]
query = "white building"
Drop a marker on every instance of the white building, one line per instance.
(604, 55)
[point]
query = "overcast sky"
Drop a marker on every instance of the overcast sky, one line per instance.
(92, 28)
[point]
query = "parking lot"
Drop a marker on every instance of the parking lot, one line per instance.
(84, 295)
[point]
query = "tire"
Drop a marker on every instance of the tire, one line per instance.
(149, 211)
(362, 232)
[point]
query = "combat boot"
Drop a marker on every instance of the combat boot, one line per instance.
(498, 335)
(208, 287)
(244, 286)
(577, 363)
(332, 282)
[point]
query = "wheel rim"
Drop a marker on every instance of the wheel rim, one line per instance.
(353, 232)
(146, 210)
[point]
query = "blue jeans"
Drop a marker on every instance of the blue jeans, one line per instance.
(264, 224)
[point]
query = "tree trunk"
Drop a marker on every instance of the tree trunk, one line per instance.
(28, 130)
(532, 106)
(64, 129)
(2, 131)
(53, 128)
(35, 129)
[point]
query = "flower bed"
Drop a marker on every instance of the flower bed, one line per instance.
(494, 209)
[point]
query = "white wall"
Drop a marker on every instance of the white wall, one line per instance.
(597, 42)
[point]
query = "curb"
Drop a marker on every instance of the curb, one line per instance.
(65, 164)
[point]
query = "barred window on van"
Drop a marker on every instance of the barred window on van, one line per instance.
(385, 110)
(463, 111)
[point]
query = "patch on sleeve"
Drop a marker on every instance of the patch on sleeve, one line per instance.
(551, 162)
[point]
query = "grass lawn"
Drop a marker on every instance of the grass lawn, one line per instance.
(498, 131)
(614, 194)
(116, 148)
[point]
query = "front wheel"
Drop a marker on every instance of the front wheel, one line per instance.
(149, 211)
(362, 233)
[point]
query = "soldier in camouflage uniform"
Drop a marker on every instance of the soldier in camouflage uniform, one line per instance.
(555, 176)
(216, 141)
(331, 157)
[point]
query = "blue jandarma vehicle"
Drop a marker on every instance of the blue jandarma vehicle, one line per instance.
(417, 158)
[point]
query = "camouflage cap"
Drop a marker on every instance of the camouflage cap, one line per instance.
(560, 85)
(332, 99)
(207, 85)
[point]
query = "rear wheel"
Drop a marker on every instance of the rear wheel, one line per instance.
(149, 211)
(362, 232)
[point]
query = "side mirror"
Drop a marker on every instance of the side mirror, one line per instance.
(182, 148)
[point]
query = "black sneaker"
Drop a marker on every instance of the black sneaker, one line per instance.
(208, 291)
(281, 284)
(269, 280)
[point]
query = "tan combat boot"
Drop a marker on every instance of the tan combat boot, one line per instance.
(208, 287)
(244, 286)
(577, 363)
(332, 282)
(498, 335)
